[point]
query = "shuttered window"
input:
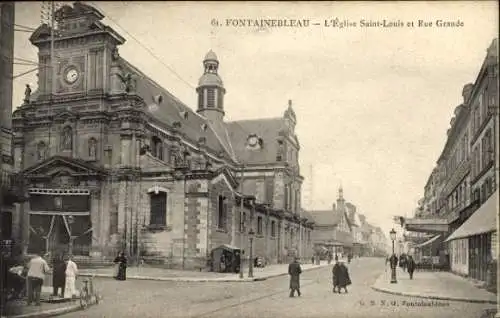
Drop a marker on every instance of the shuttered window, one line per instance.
(211, 98)
(158, 209)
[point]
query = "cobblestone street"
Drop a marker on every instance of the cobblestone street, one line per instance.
(140, 298)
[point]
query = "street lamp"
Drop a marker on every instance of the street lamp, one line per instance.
(251, 233)
(392, 234)
(71, 220)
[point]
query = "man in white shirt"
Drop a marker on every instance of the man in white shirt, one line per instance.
(71, 273)
(37, 269)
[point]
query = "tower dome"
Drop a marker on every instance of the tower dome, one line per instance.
(211, 56)
(210, 89)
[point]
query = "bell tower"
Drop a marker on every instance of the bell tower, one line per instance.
(75, 52)
(211, 90)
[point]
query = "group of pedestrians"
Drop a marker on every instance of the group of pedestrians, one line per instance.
(64, 273)
(405, 261)
(340, 276)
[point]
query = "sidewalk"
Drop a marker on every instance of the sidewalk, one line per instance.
(433, 285)
(161, 274)
(48, 308)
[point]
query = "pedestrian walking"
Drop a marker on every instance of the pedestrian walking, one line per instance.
(312, 259)
(58, 275)
(71, 274)
(340, 277)
(410, 265)
(37, 269)
(294, 271)
(402, 261)
(121, 262)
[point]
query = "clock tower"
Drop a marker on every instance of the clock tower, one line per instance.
(75, 56)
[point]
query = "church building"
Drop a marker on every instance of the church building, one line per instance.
(114, 162)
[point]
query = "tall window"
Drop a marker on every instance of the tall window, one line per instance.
(273, 228)
(157, 147)
(93, 148)
(41, 149)
(158, 203)
(259, 225)
(222, 215)
(67, 138)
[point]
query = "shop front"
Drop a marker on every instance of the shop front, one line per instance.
(479, 233)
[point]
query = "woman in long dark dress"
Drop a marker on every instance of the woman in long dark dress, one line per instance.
(341, 278)
(121, 261)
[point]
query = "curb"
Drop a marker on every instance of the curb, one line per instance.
(50, 313)
(201, 280)
(467, 300)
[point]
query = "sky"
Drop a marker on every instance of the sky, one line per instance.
(373, 103)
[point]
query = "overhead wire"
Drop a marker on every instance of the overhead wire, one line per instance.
(144, 47)
(159, 60)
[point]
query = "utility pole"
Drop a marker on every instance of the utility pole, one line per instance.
(242, 222)
(52, 71)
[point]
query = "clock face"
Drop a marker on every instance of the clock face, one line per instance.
(71, 75)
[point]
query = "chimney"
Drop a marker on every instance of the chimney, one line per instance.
(467, 91)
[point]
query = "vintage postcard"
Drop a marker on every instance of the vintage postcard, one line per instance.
(249, 159)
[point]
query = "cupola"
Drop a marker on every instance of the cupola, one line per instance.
(210, 89)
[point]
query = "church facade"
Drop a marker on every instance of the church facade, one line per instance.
(113, 161)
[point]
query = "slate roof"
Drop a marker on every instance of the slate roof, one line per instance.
(268, 129)
(172, 110)
(325, 217)
(306, 214)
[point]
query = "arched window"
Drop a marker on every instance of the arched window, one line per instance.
(93, 148)
(41, 149)
(158, 208)
(67, 138)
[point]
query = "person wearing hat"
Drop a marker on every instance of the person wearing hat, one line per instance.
(294, 271)
(341, 278)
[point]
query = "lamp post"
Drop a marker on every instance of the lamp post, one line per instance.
(251, 233)
(392, 233)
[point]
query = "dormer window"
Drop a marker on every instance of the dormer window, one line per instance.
(184, 114)
(254, 142)
(158, 99)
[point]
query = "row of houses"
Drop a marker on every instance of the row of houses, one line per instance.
(457, 214)
(343, 231)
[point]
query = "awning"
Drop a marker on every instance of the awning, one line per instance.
(228, 247)
(482, 221)
(428, 242)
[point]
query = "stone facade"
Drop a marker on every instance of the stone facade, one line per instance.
(163, 182)
(10, 188)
